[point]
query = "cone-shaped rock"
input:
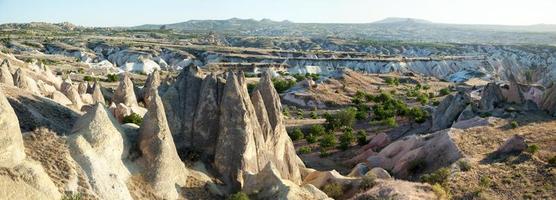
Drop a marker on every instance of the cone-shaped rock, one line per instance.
(235, 151)
(205, 130)
(514, 93)
(12, 150)
(98, 145)
(163, 166)
(5, 75)
(153, 81)
(21, 80)
(491, 96)
(97, 94)
(82, 88)
(125, 93)
(71, 92)
(449, 110)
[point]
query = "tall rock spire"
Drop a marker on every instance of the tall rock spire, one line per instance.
(125, 93)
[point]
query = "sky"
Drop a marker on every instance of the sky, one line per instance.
(138, 12)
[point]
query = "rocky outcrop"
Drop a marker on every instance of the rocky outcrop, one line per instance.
(99, 145)
(21, 80)
(163, 167)
(97, 94)
(418, 154)
(491, 97)
(514, 94)
(549, 100)
(82, 87)
(449, 110)
(5, 75)
(71, 92)
(125, 93)
(20, 178)
(398, 189)
(267, 184)
(206, 116)
(515, 144)
(152, 82)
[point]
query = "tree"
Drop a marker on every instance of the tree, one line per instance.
(317, 130)
(346, 139)
(327, 141)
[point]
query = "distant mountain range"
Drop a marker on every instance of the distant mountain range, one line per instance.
(405, 29)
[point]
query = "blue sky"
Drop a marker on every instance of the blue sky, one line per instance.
(137, 12)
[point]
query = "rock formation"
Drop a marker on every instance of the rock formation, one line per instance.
(82, 87)
(549, 100)
(125, 93)
(21, 178)
(98, 145)
(71, 92)
(515, 144)
(163, 167)
(514, 93)
(97, 94)
(207, 114)
(152, 82)
(449, 110)
(5, 75)
(491, 97)
(21, 80)
(418, 154)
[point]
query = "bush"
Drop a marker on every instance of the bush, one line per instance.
(390, 122)
(435, 102)
(314, 115)
(484, 182)
(532, 149)
(418, 115)
(464, 165)
(440, 192)
(286, 111)
(88, 78)
(251, 87)
(346, 139)
(514, 124)
(426, 87)
(552, 160)
(440, 176)
(422, 98)
(133, 118)
(239, 196)
(281, 85)
(391, 80)
(341, 119)
(297, 134)
(69, 196)
(323, 153)
(361, 137)
(112, 78)
(444, 91)
(311, 138)
(305, 150)
(328, 141)
(368, 181)
(317, 130)
(333, 190)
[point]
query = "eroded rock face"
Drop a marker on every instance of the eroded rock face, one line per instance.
(71, 92)
(5, 75)
(515, 144)
(549, 100)
(163, 167)
(418, 154)
(125, 93)
(97, 94)
(82, 88)
(21, 80)
(98, 145)
(449, 110)
(491, 97)
(398, 189)
(152, 82)
(12, 151)
(205, 130)
(514, 93)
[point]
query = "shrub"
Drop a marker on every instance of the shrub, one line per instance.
(416, 166)
(304, 150)
(297, 134)
(422, 98)
(333, 190)
(361, 137)
(440, 192)
(346, 139)
(112, 78)
(69, 196)
(239, 196)
(464, 165)
(418, 115)
(391, 80)
(281, 85)
(88, 78)
(311, 138)
(368, 181)
(314, 115)
(286, 111)
(390, 122)
(327, 141)
(251, 87)
(343, 118)
(317, 130)
(552, 160)
(435, 102)
(133, 118)
(444, 91)
(323, 153)
(514, 124)
(426, 87)
(484, 182)
(440, 176)
(532, 149)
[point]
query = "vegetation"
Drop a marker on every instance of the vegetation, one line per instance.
(297, 134)
(281, 85)
(440, 176)
(327, 141)
(69, 196)
(514, 124)
(251, 87)
(444, 91)
(440, 192)
(484, 182)
(314, 115)
(88, 78)
(392, 80)
(368, 181)
(317, 130)
(361, 137)
(239, 196)
(305, 150)
(341, 119)
(112, 78)
(552, 160)
(346, 139)
(133, 118)
(311, 138)
(464, 165)
(533, 149)
(333, 190)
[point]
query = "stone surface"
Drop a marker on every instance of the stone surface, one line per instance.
(549, 100)
(82, 87)
(162, 166)
(205, 130)
(97, 94)
(449, 110)
(491, 97)
(515, 144)
(152, 82)
(5, 74)
(398, 189)
(21, 80)
(380, 173)
(125, 93)
(11, 142)
(359, 170)
(71, 92)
